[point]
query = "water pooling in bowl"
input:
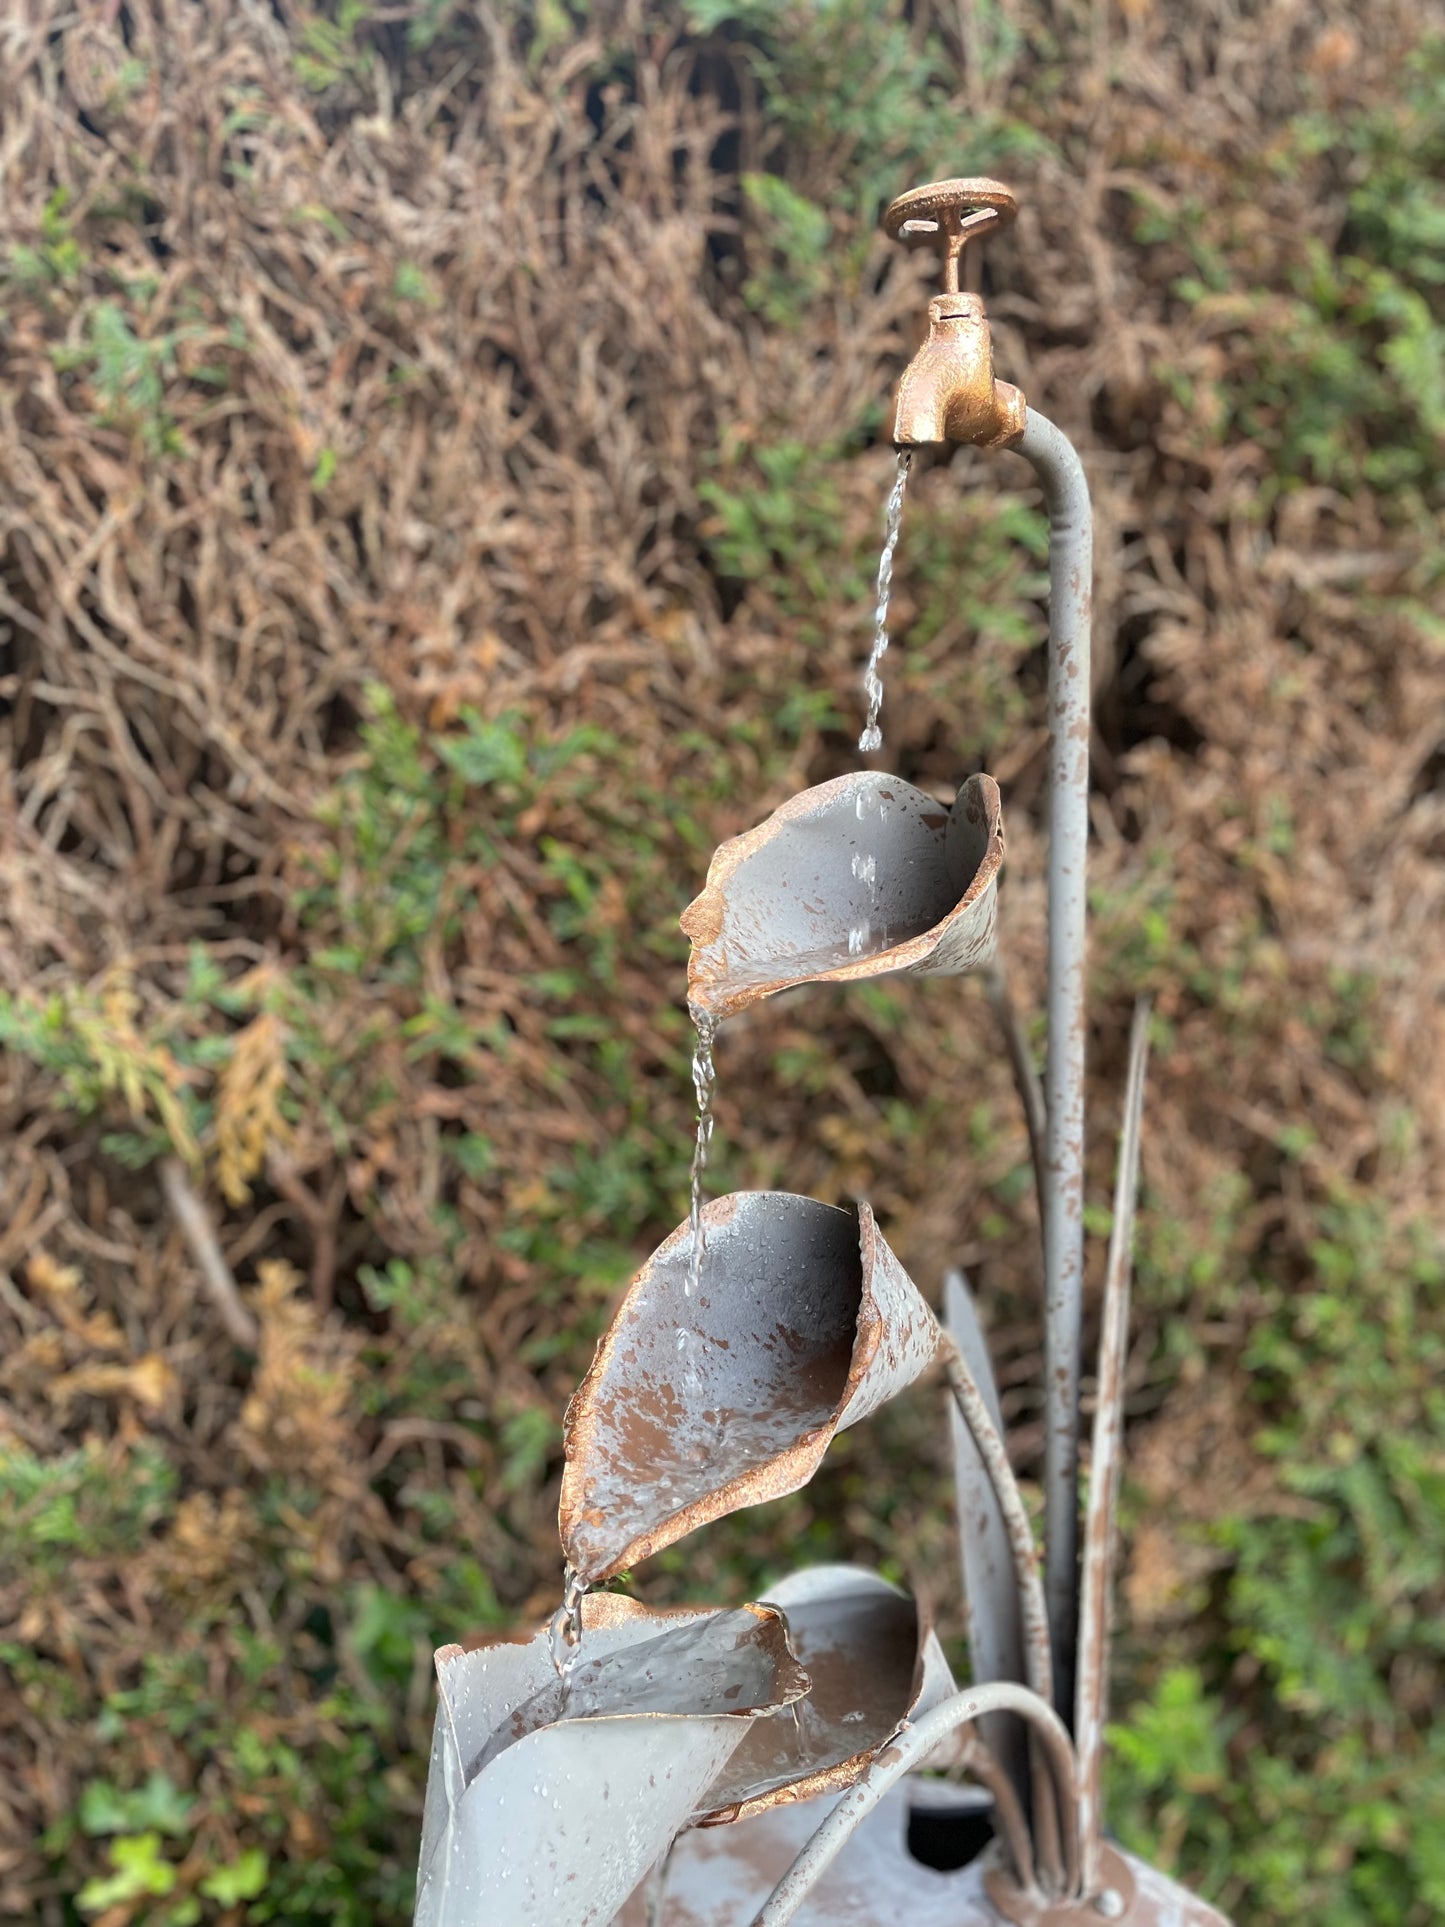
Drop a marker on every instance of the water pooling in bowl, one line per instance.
(872, 737)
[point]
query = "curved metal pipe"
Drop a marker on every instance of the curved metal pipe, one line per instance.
(1071, 570)
(912, 1745)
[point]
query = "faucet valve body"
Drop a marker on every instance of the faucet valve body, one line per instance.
(948, 393)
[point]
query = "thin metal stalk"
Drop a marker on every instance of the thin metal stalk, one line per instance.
(1025, 1073)
(1108, 1452)
(973, 1410)
(911, 1746)
(1066, 495)
(1013, 1824)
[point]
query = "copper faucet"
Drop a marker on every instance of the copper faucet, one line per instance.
(948, 392)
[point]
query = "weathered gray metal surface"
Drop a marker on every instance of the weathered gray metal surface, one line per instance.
(530, 1819)
(721, 1878)
(1108, 1451)
(1071, 574)
(873, 1660)
(804, 1322)
(861, 877)
(990, 1586)
(912, 1747)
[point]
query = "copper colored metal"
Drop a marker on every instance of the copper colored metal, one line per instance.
(862, 877)
(947, 215)
(804, 1323)
(873, 1660)
(553, 1809)
(948, 392)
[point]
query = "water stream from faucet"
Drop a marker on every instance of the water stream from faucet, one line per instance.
(872, 737)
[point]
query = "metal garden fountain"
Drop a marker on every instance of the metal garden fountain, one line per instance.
(718, 1767)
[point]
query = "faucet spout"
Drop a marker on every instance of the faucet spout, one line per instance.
(948, 392)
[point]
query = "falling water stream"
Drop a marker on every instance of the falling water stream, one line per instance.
(704, 1078)
(567, 1627)
(872, 737)
(865, 936)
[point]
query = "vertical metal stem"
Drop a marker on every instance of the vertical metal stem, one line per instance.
(1071, 569)
(1105, 1463)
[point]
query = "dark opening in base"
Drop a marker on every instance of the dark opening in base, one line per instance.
(948, 1837)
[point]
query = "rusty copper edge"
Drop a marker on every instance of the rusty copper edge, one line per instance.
(786, 1472)
(702, 921)
(845, 1773)
(610, 1610)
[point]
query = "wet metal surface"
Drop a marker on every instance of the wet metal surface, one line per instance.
(860, 877)
(804, 1322)
(527, 1821)
(873, 1661)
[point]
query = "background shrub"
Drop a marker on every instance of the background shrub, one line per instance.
(439, 447)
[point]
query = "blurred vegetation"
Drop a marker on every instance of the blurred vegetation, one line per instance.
(442, 465)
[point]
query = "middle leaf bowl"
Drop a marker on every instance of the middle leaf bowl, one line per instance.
(699, 1404)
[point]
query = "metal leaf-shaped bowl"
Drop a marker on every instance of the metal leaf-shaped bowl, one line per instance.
(873, 1660)
(544, 1796)
(697, 1405)
(861, 877)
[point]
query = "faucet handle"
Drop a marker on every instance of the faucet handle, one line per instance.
(947, 215)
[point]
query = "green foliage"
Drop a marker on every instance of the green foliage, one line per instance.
(158, 1806)
(1347, 387)
(58, 258)
(130, 373)
(1335, 1802)
(85, 1504)
(862, 99)
(140, 1872)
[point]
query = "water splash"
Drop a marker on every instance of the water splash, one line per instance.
(566, 1626)
(863, 937)
(704, 1079)
(872, 737)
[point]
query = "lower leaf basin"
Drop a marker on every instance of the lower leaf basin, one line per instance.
(873, 1660)
(697, 1404)
(861, 877)
(548, 1801)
